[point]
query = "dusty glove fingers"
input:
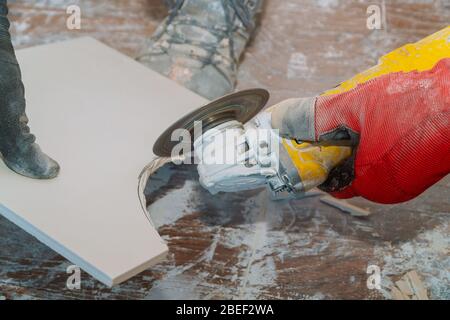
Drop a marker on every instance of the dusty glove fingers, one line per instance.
(294, 118)
(330, 166)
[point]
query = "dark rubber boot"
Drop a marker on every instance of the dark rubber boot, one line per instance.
(17, 145)
(200, 42)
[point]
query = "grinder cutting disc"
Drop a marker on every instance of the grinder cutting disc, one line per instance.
(240, 106)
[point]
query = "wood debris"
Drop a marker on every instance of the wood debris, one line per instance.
(345, 206)
(409, 287)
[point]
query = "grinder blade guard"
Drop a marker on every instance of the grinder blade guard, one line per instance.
(238, 107)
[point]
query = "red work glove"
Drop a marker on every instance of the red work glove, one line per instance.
(399, 124)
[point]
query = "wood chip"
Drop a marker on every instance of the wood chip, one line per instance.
(396, 294)
(345, 206)
(417, 285)
(409, 287)
(405, 287)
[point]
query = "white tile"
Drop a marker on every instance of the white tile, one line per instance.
(98, 113)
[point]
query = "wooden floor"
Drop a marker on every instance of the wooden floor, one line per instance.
(243, 245)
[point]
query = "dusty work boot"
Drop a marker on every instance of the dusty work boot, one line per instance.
(200, 42)
(17, 145)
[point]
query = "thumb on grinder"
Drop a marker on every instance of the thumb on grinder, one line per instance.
(315, 119)
(294, 118)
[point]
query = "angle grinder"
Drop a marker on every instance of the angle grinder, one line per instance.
(237, 149)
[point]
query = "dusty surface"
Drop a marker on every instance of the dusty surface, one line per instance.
(243, 245)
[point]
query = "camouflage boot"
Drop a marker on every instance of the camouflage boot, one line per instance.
(200, 42)
(17, 145)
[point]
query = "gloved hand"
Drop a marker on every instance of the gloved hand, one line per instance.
(399, 125)
(17, 145)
